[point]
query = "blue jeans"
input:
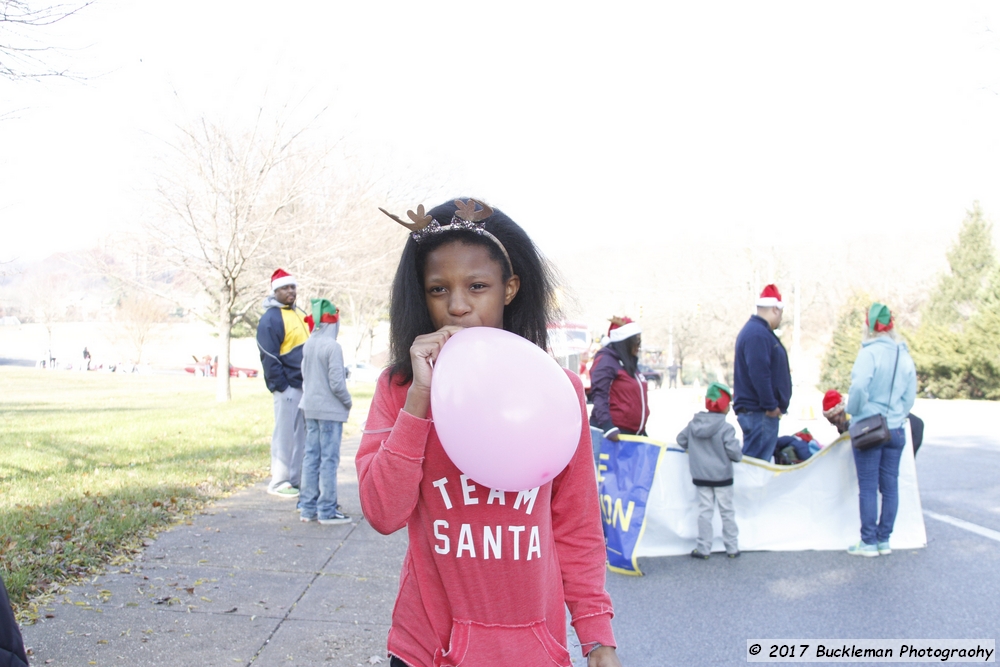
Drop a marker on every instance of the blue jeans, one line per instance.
(878, 470)
(318, 492)
(760, 434)
(596, 435)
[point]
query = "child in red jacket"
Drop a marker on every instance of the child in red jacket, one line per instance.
(488, 574)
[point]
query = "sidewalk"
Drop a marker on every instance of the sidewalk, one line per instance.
(244, 582)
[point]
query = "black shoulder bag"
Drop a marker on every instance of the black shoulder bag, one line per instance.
(873, 431)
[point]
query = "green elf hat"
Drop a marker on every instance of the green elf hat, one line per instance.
(324, 312)
(879, 318)
(717, 397)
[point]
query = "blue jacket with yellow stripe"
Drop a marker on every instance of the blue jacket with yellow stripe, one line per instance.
(281, 333)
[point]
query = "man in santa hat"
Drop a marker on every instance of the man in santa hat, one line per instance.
(762, 383)
(834, 409)
(281, 333)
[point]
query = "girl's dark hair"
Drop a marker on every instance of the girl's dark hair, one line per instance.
(527, 314)
(629, 363)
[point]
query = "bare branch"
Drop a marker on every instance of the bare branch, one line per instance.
(21, 51)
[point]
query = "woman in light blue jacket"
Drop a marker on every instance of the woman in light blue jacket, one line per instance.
(883, 381)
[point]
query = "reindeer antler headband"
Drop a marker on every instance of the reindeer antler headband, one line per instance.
(466, 217)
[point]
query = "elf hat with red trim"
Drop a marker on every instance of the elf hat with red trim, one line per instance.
(280, 278)
(717, 397)
(770, 297)
(324, 312)
(879, 318)
(804, 435)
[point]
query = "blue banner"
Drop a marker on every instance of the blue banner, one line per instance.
(625, 473)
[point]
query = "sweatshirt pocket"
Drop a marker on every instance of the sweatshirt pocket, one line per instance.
(480, 645)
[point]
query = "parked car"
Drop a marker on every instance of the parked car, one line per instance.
(363, 372)
(653, 376)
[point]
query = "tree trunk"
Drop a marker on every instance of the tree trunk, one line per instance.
(222, 389)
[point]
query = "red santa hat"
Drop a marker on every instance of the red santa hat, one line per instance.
(280, 278)
(622, 328)
(770, 297)
(833, 404)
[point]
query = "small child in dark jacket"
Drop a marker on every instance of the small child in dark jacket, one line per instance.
(712, 447)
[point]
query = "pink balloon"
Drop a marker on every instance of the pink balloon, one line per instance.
(506, 413)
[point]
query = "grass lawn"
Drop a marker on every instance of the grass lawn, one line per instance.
(91, 464)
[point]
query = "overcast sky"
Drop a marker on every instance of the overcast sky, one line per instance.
(795, 121)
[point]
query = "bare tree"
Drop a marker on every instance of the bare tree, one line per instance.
(686, 332)
(358, 269)
(231, 202)
(137, 318)
(23, 54)
(354, 248)
(47, 302)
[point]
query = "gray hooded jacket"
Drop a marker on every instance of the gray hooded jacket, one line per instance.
(712, 447)
(324, 384)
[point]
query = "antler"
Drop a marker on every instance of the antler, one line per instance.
(467, 210)
(420, 218)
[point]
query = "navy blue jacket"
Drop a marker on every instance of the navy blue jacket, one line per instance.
(761, 380)
(281, 346)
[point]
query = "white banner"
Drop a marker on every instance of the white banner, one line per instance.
(812, 505)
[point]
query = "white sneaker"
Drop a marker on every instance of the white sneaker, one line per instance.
(284, 490)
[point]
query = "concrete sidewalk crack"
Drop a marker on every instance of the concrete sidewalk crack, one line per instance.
(291, 607)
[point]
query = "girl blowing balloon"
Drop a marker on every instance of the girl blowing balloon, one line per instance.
(488, 573)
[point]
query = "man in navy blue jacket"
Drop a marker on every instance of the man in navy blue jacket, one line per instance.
(762, 383)
(281, 333)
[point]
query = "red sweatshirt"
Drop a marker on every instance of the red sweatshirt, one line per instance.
(487, 574)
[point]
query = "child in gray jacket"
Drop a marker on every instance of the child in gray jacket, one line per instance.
(712, 447)
(326, 404)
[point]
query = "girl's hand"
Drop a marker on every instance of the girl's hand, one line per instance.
(603, 656)
(423, 353)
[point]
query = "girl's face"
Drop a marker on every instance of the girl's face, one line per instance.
(634, 346)
(464, 286)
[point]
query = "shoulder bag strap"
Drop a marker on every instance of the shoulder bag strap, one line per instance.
(893, 382)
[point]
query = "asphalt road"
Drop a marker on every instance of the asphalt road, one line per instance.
(690, 612)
